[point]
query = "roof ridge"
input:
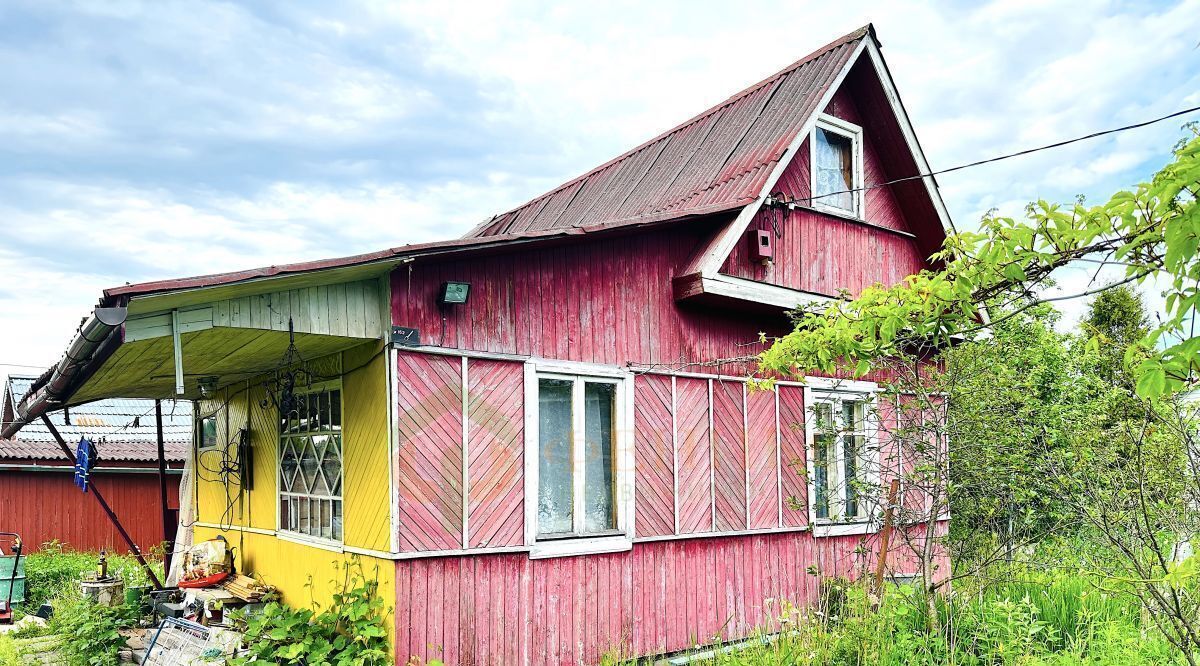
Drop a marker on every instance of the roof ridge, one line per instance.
(864, 31)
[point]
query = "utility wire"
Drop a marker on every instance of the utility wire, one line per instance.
(1019, 153)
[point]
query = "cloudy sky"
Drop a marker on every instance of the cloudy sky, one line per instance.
(142, 141)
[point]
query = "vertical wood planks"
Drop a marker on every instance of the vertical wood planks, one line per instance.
(662, 596)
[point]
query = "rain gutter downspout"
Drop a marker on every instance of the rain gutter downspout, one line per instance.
(98, 337)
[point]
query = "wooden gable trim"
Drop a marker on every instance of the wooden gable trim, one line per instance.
(728, 286)
(703, 271)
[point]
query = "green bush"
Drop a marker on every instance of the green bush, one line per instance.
(350, 632)
(91, 633)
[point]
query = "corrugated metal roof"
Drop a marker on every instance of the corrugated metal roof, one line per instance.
(721, 157)
(121, 428)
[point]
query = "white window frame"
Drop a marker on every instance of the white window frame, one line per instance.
(535, 370)
(854, 133)
(280, 528)
(834, 391)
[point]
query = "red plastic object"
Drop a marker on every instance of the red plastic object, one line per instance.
(207, 581)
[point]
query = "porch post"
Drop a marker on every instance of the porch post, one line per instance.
(162, 488)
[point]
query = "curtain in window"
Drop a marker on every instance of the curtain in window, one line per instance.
(834, 169)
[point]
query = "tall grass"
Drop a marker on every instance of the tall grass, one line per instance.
(1032, 618)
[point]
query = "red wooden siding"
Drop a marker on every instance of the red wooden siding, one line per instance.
(430, 394)
(695, 455)
(43, 506)
(495, 445)
(654, 455)
(662, 596)
(609, 301)
(729, 456)
(762, 456)
(794, 479)
(430, 443)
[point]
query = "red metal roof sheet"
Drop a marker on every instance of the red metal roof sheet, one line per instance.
(20, 449)
(720, 157)
(122, 428)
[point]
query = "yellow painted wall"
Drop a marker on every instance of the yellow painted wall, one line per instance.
(366, 482)
(290, 566)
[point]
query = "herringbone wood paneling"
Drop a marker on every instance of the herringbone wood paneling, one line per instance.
(729, 456)
(791, 432)
(430, 442)
(761, 450)
(655, 461)
(495, 448)
(695, 461)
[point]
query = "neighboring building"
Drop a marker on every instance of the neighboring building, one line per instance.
(554, 453)
(39, 498)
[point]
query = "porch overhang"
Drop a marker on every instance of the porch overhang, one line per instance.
(214, 338)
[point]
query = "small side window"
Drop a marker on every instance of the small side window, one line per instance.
(837, 166)
(206, 432)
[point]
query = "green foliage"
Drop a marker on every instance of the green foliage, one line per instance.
(1153, 230)
(91, 632)
(351, 631)
(1013, 402)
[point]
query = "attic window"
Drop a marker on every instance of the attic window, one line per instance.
(837, 166)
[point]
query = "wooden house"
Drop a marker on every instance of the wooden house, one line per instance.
(539, 436)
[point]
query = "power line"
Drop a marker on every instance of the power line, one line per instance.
(1019, 153)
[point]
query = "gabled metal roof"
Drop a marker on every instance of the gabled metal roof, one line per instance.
(721, 157)
(121, 428)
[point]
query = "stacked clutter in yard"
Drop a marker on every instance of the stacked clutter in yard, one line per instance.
(196, 622)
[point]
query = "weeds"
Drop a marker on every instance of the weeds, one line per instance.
(1034, 618)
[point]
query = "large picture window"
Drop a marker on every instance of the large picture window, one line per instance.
(310, 464)
(579, 462)
(844, 457)
(837, 166)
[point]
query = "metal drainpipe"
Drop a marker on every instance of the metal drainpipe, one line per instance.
(61, 378)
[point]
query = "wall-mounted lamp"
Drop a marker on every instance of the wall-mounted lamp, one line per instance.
(208, 386)
(454, 293)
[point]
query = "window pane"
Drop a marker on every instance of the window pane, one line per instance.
(823, 438)
(335, 410)
(337, 519)
(599, 473)
(556, 494)
(288, 466)
(851, 454)
(834, 170)
(853, 416)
